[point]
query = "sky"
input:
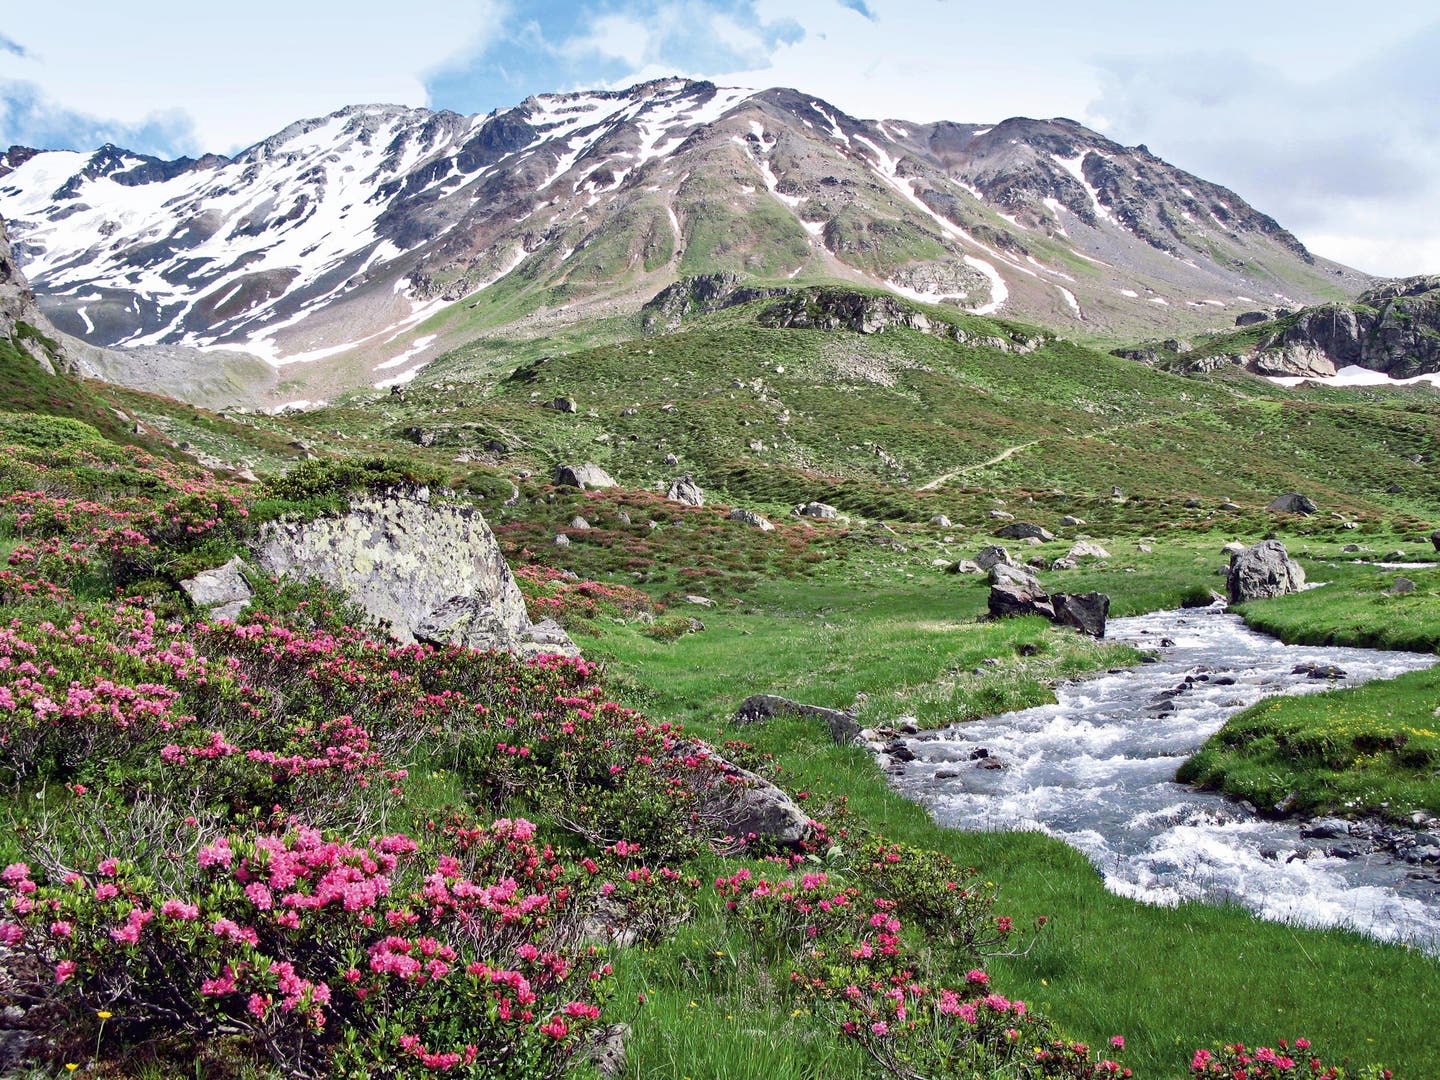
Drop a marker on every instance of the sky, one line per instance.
(1325, 119)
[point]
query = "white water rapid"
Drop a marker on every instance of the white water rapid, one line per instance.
(1097, 771)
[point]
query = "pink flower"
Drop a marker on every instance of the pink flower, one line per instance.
(175, 909)
(109, 868)
(880, 1028)
(64, 969)
(1118, 1042)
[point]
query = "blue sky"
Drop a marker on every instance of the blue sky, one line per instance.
(1330, 129)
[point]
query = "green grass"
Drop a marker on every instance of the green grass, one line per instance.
(1357, 606)
(1371, 749)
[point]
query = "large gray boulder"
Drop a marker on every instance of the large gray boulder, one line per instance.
(1435, 539)
(1010, 599)
(221, 593)
(1086, 612)
(1263, 571)
(761, 707)
(1025, 530)
(586, 477)
(431, 571)
(1294, 503)
(1085, 549)
(685, 491)
(745, 807)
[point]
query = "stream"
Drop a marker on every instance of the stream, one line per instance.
(1097, 771)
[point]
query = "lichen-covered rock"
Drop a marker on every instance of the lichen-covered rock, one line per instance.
(222, 592)
(1263, 571)
(432, 571)
(993, 556)
(824, 511)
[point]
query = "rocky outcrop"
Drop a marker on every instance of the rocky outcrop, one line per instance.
(685, 491)
(221, 593)
(746, 807)
(432, 571)
(1394, 328)
(1294, 503)
(587, 477)
(828, 308)
(1086, 612)
(1435, 539)
(761, 707)
(21, 320)
(1263, 571)
(1025, 530)
(823, 511)
(699, 295)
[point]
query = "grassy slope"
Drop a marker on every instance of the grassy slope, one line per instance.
(859, 624)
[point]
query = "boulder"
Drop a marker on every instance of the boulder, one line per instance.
(1010, 574)
(993, 555)
(965, 566)
(747, 807)
(587, 477)
(1402, 587)
(1084, 549)
(754, 520)
(1263, 571)
(817, 510)
(1435, 539)
(685, 491)
(578, 522)
(1294, 503)
(1086, 612)
(1001, 515)
(222, 592)
(1025, 530)
(942, 522)
(563, 404)
(1234, 547)
(431, 571)
(761, 707)
(1070, 521)
(1011, 598)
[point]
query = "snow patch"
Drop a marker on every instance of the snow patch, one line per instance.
(1354, 375)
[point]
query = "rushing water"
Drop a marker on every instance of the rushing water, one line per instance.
(1097, 770)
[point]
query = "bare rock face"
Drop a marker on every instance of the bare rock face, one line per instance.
(1263, 571)
(432, 571)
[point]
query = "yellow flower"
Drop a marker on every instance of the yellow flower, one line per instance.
(104, 1015)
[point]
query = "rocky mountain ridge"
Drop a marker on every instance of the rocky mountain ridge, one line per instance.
(352, 239)
(1392, 329)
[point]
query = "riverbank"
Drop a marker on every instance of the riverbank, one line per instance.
(1166, 977)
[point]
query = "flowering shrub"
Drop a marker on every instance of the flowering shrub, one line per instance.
(1285, 1061)
(327, 951)
(553, 594)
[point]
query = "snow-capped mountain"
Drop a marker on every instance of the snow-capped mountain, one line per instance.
(356, 235)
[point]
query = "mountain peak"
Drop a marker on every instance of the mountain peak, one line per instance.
(338, 235)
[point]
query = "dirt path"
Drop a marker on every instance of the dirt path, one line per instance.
(933, 484)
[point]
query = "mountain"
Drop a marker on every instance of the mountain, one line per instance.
(353, 239)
